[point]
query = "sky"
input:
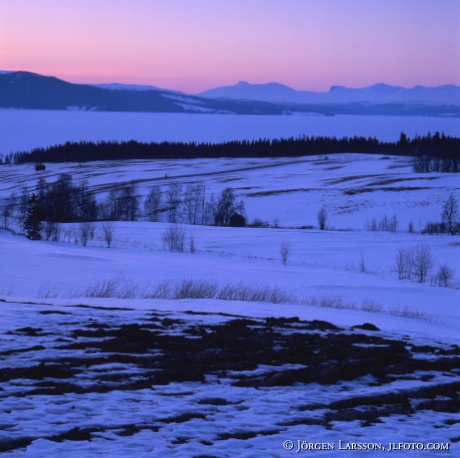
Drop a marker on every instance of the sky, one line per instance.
(194, 45)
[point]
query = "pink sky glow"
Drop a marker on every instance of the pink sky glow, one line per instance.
(194, 45)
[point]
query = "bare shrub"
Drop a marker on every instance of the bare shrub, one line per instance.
(192, 245)
(285, 251)
(362, 264)
(403, 263)
(445, 275)
(108, 231)
(174, 239)
(86, 232)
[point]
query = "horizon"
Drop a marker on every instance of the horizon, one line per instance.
(2, 71)
(195, 46)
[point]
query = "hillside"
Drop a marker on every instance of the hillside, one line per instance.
(138, 350)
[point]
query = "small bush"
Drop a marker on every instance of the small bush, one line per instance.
(257, 222)
(108, 231)
(444, 276)
(403, 263)
(174, 239)
(192, 245)
(285, 251)
(362, 265)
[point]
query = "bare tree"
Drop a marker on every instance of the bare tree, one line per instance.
(174, 239)
(285, 251)
(450, 215)
(445, 275)
(394, 223)
(108, 230)
(322, 218)
(422, 262)
(152, 204)
(210, 210)
(173, 196)
(225, 207)
(193, 200)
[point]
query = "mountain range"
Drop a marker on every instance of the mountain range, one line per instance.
(28, 90)
(378, 94)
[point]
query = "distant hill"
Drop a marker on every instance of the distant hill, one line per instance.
(376, 94)
(32, 91)
(28, 90)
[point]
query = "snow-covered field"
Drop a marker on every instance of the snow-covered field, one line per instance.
(150, 392)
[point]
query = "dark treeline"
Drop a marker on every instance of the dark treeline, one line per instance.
(436, 152)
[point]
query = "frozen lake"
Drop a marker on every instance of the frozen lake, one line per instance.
(23, 130)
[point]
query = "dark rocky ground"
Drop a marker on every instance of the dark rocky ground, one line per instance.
(257, 353)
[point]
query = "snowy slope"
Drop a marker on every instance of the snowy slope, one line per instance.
(117, 377)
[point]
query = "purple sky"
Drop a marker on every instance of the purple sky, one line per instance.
(193, 45)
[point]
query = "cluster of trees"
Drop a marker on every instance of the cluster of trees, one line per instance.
(385, 224)
(432, 152)
(417, 262)
(39, 211)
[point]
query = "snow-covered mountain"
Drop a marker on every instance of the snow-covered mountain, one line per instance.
(27, 90)
(375, 94)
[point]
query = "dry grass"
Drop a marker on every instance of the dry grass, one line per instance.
(407, 312)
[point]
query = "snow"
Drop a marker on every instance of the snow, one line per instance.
(52, 277)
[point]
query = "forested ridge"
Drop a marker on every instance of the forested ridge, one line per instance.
(436, 152)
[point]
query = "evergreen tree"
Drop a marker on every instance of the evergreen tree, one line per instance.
(32, 222)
